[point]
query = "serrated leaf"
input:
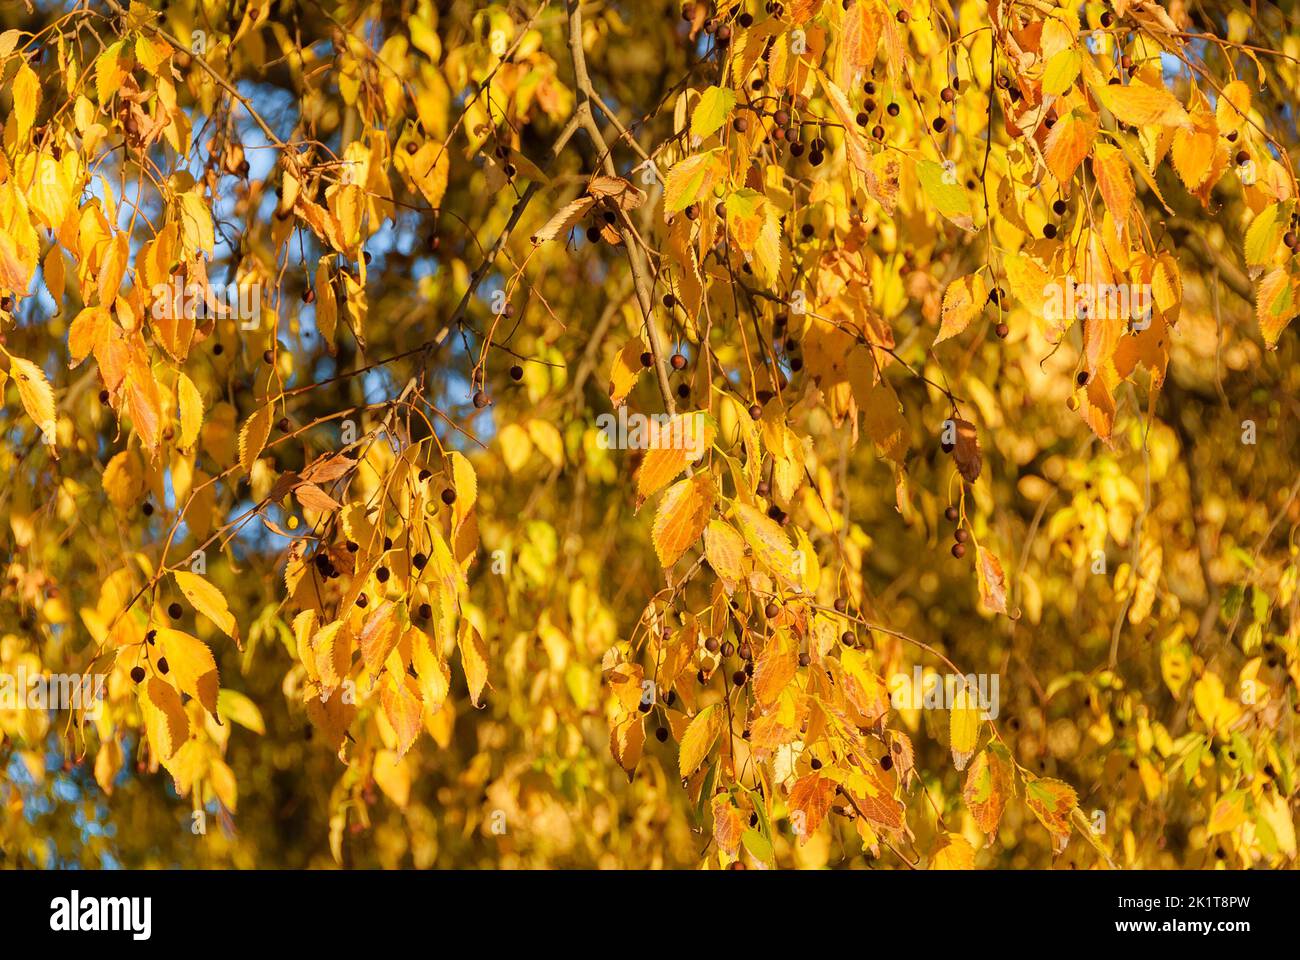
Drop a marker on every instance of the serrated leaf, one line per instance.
(1052, 803)
(35, 392)
(712, 111)
(207, 600)
(671, 447)
(253, 436)
(699, 738)
(988, 784)
(946, 193)
(963, 301)
(190, 404)
(1139, 104)
(680, 520)
(688, 181)
(191, 665)
(963, 725)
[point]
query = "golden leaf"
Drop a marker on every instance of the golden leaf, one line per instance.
(207, 600)
(699, 738)
(681, 517)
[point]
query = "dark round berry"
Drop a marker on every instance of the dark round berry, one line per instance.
(481, 399)
(309, 295)
(516, 372)
(951, 514)
(150, 637)
(712, 645)
(175, 610)
(425, 611)
(740, 124)
(939, 124)
(771, 610)
(1058, 207)
(661, 734)
(1002, 330)
(804, 659)
(947, 94)
(1081, 378)
(739, 678)
(847, 638)
(755, 411)
(961, 535)
(218, 350)
(162, 666)
(268, 356)
(351, 546)
(419, 561)
(886, 762)
(1242, 157)
(382, 574)
(959, 550)
(841, 605)
(892, 109)
(1049, 231)
(148, 509)
(815, 763)
(362, 601)
(877, 132)
(678, 361)
(103, 397)
(449, 496)
(137, 674)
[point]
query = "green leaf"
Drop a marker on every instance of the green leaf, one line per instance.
(950, 199)
(1266, 231)
(712, 111)
(758, 845)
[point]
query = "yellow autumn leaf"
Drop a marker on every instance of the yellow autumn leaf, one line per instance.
(35, 392)
(191, 665)
(253, 436)
(190, 404)
(681, 517)
(207, 600)
(963, 725)
(699, 738)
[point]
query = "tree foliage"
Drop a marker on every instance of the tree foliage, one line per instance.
(563, 434)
